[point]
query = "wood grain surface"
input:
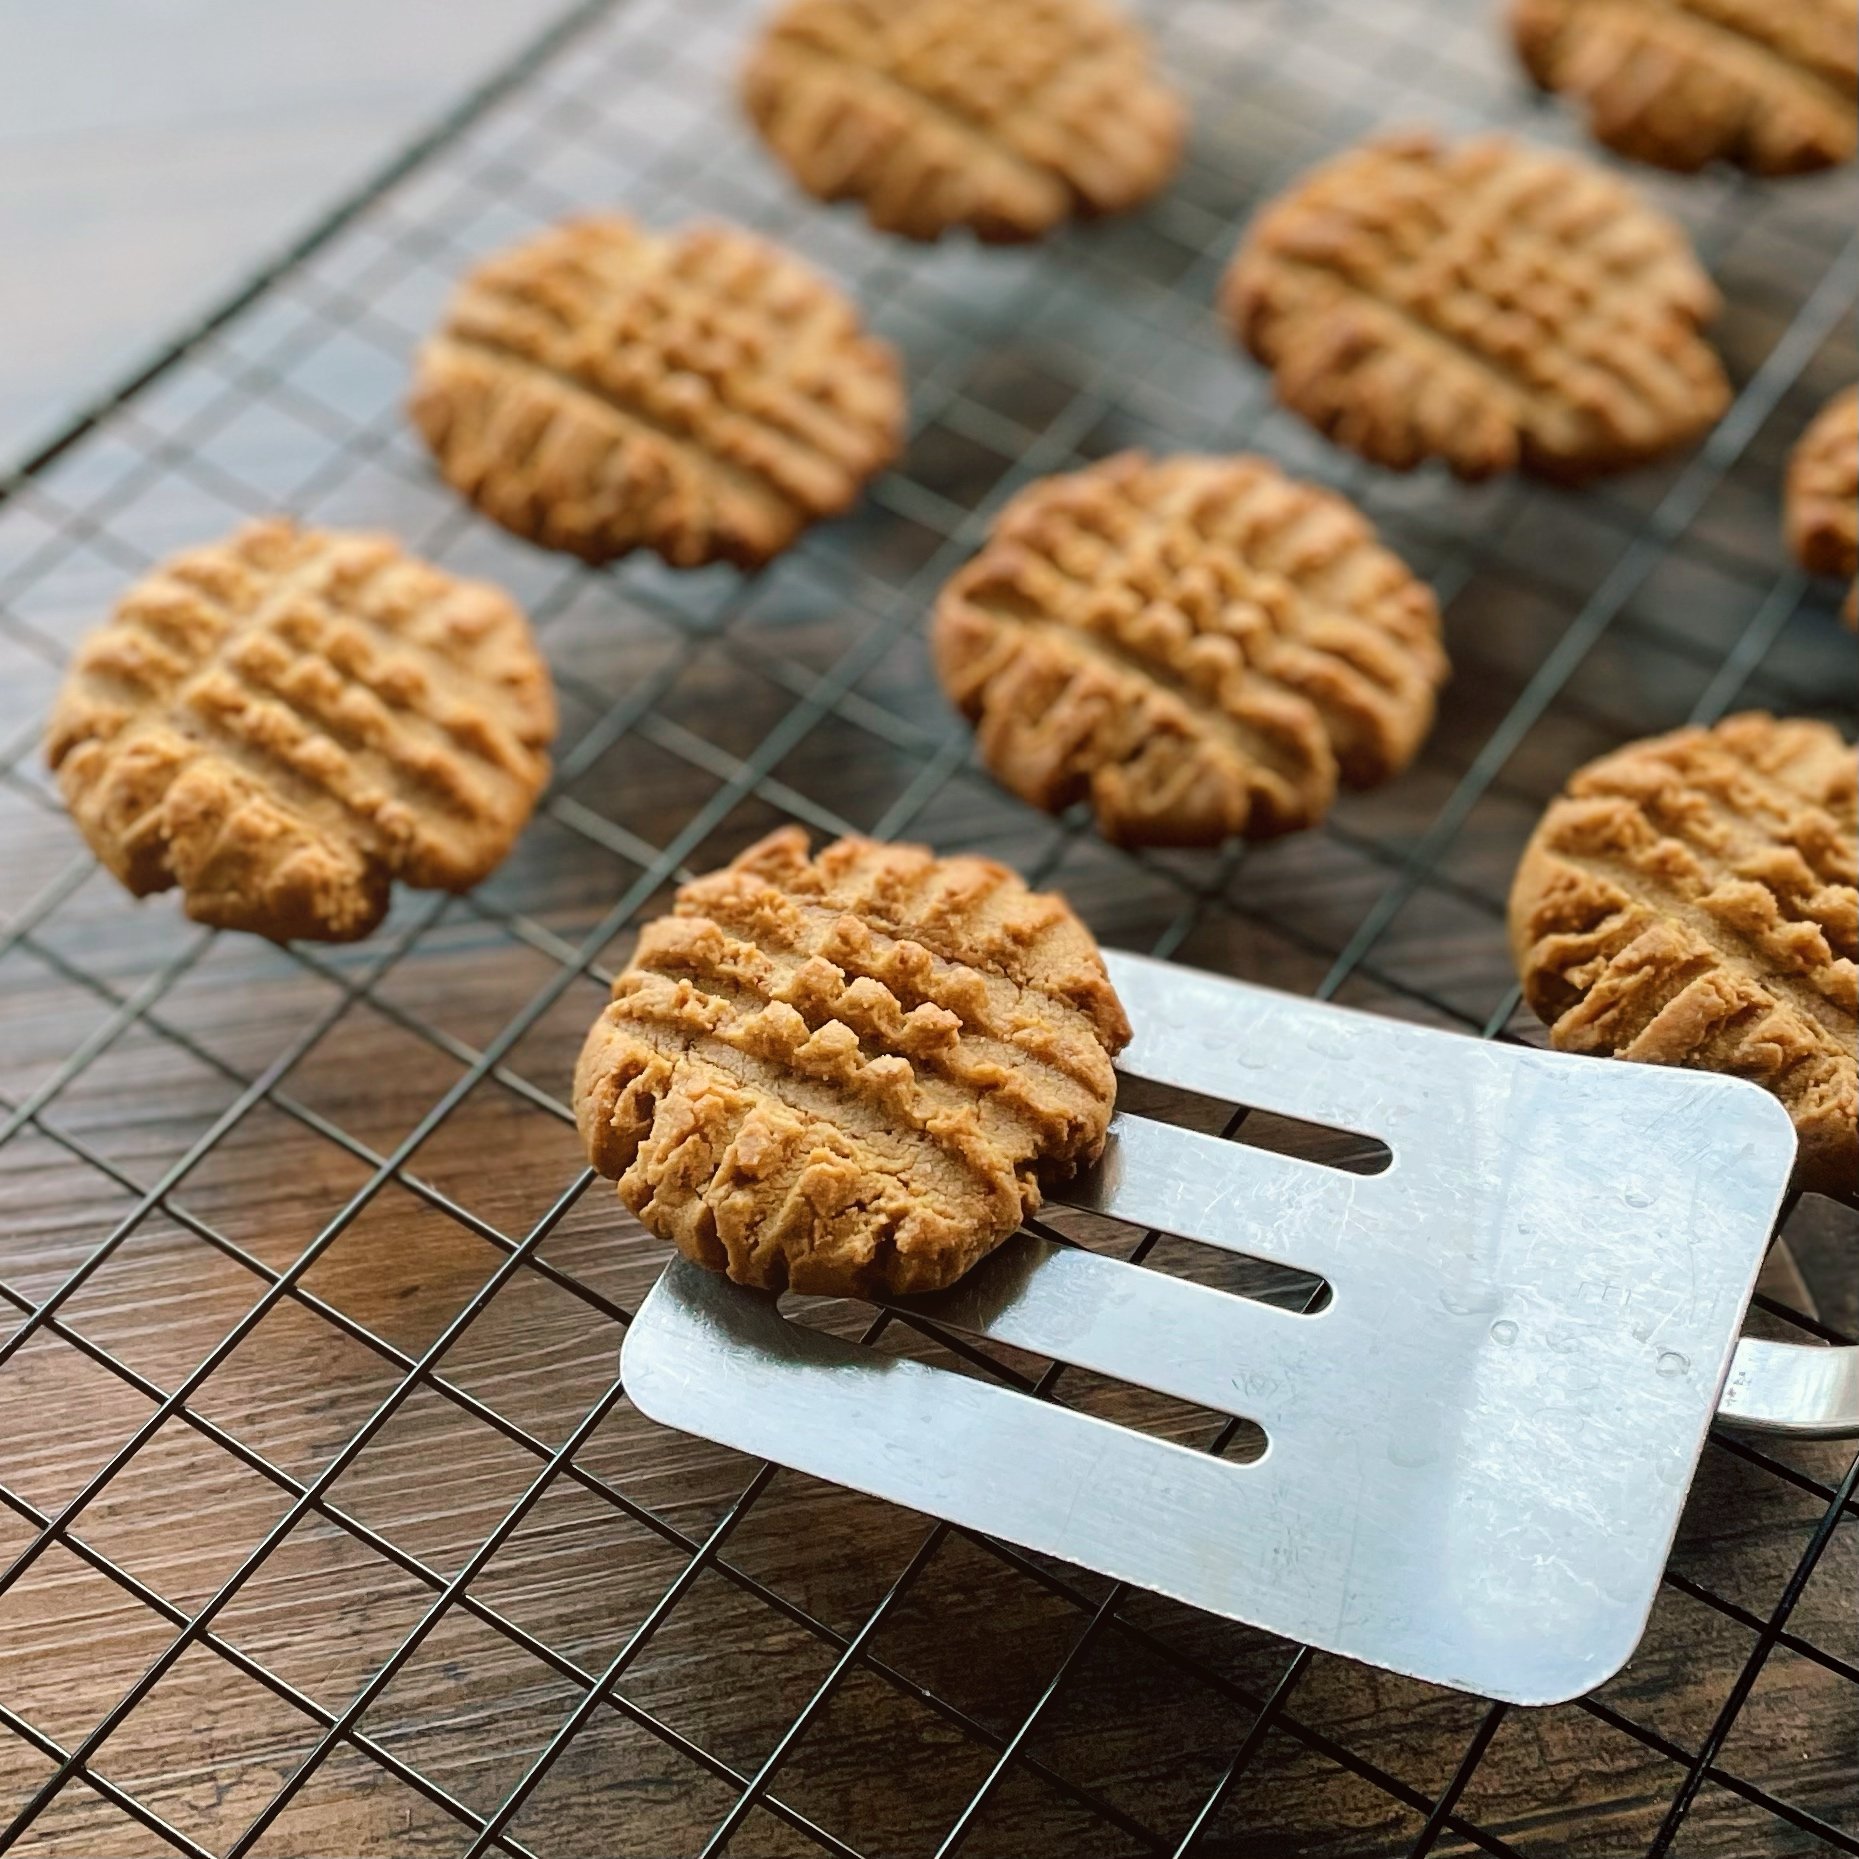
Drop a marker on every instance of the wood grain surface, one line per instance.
(340, 1157)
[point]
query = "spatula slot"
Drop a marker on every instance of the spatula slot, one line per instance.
(1162, 1416)
(1263, 1280)
(1301, 1294)
(1344, 1150)
(1001, 1327)
(1325, 1143)
(1250, 1201)
(918, 1335)
(1229, 1355)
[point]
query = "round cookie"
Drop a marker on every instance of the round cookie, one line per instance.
(284, 722)
(1003, 116)
(702, 393)
(1485, 303)
(1680, 83)
(1690, 900)
(1823, 496)
(841, 1073)
(1198, 646)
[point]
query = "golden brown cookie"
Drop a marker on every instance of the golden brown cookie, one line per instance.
(1483, 302)
(841, 1073)
(1003, 116)
(1690, 900)
(1823, 496)
(702, 393)
(1767, 84)
(1198, 646)
(286, 721)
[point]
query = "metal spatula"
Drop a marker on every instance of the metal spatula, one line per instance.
(1476, 1450)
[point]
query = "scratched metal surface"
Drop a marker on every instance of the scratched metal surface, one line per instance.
(324, 1525)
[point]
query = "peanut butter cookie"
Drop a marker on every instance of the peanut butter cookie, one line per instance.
(1484, 303)
(286, 721)
(841, 1073)
(1690, 900)
(701, 393)
(1823, 496)
(1679, 83)
(1199, 646)
(1003, 116)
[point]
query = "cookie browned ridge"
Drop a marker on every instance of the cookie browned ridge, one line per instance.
(1002, 116)
(842, 1073)
(701, 393)
(284, 722)
(1198, 646)
(1690, 900)
(1766, 84)
(1485, 303)
(1823, 496)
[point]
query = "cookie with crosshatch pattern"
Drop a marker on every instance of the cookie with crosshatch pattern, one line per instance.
(1823, 496)
(1199, 647)
(1482, 302)
(1690, 900)
(702, 393)
(1002, 116)
(1769, 86)
(842, 1072)
(284, 722)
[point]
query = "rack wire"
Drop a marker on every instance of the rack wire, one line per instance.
(324, 1522)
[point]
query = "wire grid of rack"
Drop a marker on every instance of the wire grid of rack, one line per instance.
(324, 1523)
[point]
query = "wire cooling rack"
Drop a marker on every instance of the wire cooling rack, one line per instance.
(325, 1526)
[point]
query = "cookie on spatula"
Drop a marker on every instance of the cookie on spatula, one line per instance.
(843, 1072)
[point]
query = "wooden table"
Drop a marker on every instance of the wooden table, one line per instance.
(279, 1180)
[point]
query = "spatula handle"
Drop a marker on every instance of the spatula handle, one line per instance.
(1803, 1390)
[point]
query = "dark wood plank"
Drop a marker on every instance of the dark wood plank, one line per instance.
(1154, 1708)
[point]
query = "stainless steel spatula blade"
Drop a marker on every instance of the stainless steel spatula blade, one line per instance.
(1476, 1450)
